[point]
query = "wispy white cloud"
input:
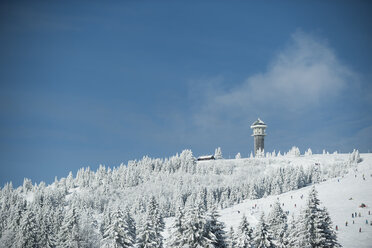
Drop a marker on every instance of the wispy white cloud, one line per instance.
(306, 74)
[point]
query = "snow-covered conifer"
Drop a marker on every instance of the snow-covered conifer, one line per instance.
(47, 229)
(263, 238)
(146, 237)
(157, 220)
(328, 235)
(238, 156)
(293, 233)
(218, 153)
(130, 223)
(308, 152)
(315, 225)
(294, 151)
(118, 233)
(197, 231)
(231, 241)
(88, 231)
(176, 236)
(27, 235)
(244, 235)
(217, 228)
(253, 193)
(69, 232)
(277, 222)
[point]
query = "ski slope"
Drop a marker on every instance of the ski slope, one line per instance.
(334, 194)
(341, 196)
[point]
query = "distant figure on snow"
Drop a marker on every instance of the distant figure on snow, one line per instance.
(360, 229)
(346, 223)
(352, 215)
(336, 228)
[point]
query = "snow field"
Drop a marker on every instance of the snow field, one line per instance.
(334, 194)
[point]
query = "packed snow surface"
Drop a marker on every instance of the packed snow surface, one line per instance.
(341, 196)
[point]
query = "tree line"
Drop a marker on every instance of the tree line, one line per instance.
(87, 208)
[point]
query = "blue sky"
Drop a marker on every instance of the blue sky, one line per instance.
(84, 83)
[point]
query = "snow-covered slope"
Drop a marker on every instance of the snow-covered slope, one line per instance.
(341, 196)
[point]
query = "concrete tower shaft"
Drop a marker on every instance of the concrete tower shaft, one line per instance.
(259, 135)
(259, 143)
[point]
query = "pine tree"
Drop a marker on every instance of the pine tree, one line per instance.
(315, 225)
(277, 222)
(88, 231)
(328, 236)
(232, 243)
(263, 237)
(69, 236)
(176, 237)
(106, 219)
(238, 156)
(147, 235)
(218, 153)
(245, 234)
(47, 229)
(308, 221)
(118, 233)
(157, 220)
(308, 152)
(27, 236)
(253, 193)
(251, 155)
(197, 231)
(293, 233)
(130, 224)
(217, 228)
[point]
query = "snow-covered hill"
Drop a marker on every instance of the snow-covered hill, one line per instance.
(140, 193)
(341, 196)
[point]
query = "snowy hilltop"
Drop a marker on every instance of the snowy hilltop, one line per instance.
(343, 197)
(182, 202)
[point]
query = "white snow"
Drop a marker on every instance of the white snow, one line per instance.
(334, 194)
